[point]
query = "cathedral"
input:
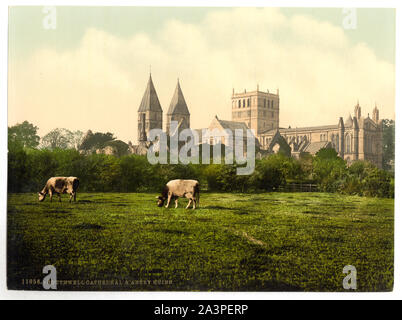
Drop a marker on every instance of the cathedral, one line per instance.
(357, 138)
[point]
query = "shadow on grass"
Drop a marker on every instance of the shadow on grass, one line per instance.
(88, 226)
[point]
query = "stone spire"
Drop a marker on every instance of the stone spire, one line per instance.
(178, 111)
(358, 110)
(178, 104)
(150, 101)
(376, 114)
(149, 112)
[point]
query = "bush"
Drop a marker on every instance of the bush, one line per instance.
(29, 169)
(268, 174)
(329, 170)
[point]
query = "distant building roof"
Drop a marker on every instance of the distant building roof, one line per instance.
(349, 122)
(299, 130)
(314, 147)
(178, 104)
(150, 101)
(232, 125)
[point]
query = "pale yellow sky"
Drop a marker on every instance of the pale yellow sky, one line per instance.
(98, 81)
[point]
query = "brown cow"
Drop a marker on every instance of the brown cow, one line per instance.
(189, 189)
(60, 185)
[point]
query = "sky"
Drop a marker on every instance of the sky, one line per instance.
(90, 71)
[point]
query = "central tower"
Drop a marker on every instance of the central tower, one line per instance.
(257, 109)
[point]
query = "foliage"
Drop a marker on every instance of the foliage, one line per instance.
(120, 147)
(97, 140)
(24, 135)
(29, 170)
(269, 174)
(388, 146)
(328, 170)
(365, 179)
(58, 138)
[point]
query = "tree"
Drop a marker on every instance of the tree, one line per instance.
(327, 154)
(388, 143)
(268, 174)
(93, 141)
(120, 148)
(76, 139)
(23, 134)
(328, 170)
(58, 138)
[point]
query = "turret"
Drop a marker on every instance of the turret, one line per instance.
(376, 114)
(358, 111)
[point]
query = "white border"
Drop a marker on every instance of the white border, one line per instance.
(5, 294)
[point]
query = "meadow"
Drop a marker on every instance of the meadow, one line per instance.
(233, 242)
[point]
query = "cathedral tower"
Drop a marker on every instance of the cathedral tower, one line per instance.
(178, 111)
(149, 112)
(257, 109)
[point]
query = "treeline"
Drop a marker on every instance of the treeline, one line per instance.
(29, 169)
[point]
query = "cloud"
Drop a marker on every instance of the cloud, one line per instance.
(99, 84)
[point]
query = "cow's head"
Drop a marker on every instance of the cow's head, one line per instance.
(41, 196)
(161, 201)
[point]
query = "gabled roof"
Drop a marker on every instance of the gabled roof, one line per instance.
(349, 122)
(314, 147)
(232, 125)
(150, 101)
(178, 104)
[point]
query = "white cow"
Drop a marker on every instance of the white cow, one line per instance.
(189, 189)
(60, 185)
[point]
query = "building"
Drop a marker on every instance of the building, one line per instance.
(178, 111)
(149, 113)
(358, 138)
(258, 110)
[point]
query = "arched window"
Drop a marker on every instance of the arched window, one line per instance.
(244, 103)
(265, 102)
(337, 142)
(248, 102)
(347, 143)
(239, 103)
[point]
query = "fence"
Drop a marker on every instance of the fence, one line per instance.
(298, 187)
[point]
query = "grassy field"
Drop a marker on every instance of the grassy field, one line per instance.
(241, 242)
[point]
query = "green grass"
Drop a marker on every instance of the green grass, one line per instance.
(239, 242)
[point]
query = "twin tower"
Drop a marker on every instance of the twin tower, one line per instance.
(150, 113)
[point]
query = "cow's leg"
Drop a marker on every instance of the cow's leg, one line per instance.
(194, 203)
(176, 202)
(189, 202)
(75, 196)
(168, 200)
(51, 195)
(71, 196)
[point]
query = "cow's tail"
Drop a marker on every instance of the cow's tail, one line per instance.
(76, 183)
